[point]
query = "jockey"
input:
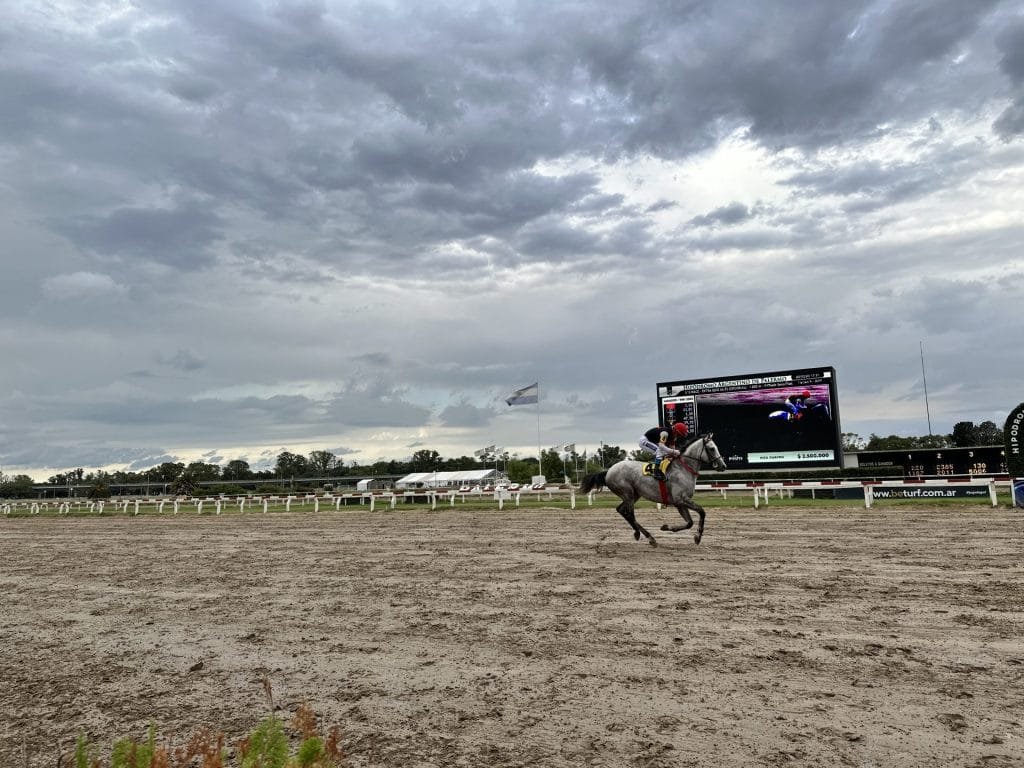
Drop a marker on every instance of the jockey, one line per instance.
(797, 404)
(662, 443)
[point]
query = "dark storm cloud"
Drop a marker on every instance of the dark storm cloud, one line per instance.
(734, 213)
(179, 237)
(465, 414)
(1011, 44)
(462, 198)
(365, 409)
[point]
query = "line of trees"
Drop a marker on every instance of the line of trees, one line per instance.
(181, 478)
(965, 434)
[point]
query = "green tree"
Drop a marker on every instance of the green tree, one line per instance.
(16, 487)
(425, 461)
(99, 490)
(237, 469)
(551, 464)
(989, 434)
(184, 485)
(323, 463)
(200, 471)
(932, 441)
(890, 443)
(607, 455)
(167, 472)
(852, 442)
(291, 465)
(521, 470)
(965, 434)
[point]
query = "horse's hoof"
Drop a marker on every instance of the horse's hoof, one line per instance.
(636, 536)
(665, 527)
(696, 538)
(652, 541)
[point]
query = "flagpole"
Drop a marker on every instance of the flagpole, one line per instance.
(540, 467)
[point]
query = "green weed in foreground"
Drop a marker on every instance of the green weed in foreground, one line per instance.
(268, 746)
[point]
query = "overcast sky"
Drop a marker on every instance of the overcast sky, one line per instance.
(230, 228)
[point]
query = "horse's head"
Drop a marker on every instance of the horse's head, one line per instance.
(706, 452)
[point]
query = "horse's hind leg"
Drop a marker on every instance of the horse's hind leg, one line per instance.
(626, 510)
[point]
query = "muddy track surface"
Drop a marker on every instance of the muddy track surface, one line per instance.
(789, 637)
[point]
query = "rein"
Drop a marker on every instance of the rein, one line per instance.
(687, 467)
(699, 460)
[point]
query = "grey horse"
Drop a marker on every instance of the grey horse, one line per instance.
(626, 479)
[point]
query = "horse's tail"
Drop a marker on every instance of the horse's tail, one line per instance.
(592, 482)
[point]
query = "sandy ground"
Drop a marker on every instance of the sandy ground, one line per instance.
(527, 638)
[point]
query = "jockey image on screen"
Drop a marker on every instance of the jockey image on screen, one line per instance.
(799, 407)
(793, 407)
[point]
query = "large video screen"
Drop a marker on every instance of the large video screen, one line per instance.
(767, 421)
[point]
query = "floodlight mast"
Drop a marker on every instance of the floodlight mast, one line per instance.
(924, 379)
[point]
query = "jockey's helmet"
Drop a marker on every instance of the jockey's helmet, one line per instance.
(680, 429)
(805, 394)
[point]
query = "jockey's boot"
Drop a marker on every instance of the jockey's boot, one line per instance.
(656, 472)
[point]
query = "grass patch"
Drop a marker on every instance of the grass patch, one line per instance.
(270, 745)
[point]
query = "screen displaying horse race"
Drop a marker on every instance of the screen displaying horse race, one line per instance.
(776, 420)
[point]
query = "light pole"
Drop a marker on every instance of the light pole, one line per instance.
(924, 379)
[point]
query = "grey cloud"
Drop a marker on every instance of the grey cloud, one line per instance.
(79, 285)
(734, 213)
(1010, 43)
(380, 359)
(182, 360)
(1011, 122)
(465, 414)
(179, 237)
(86, 455)
(422, 198)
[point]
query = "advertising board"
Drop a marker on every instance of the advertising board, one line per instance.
(768, 421)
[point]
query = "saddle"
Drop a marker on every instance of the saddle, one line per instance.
(648, 469)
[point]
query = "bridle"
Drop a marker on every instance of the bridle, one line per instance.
(700, 458)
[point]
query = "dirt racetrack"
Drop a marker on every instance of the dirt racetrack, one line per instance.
(791, 637)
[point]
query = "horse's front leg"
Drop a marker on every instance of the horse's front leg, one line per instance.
(700, 523)
(681, 506)
(626, 510)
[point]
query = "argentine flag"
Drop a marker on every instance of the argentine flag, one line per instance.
(524, 396)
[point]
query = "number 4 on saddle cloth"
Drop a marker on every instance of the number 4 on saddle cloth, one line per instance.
(649, 471)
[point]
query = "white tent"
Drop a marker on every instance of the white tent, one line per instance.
(471, 477)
